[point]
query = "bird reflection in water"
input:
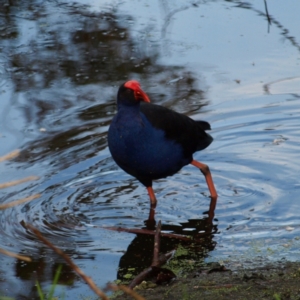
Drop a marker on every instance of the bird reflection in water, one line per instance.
(194, 239)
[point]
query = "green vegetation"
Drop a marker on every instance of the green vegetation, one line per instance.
(52, 288)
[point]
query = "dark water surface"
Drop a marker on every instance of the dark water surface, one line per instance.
(221, 61)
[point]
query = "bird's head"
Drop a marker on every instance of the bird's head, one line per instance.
(130, 93)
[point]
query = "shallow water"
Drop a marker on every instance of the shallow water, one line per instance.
(220, 61)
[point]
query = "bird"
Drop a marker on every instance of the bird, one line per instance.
(150, 141)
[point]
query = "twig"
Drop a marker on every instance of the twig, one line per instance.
(10, 155)
(140, 278)
(127, 290)
(75, 268)
(15, 182)
(150, 232)
(267, 13)
(17, 202)
(155, 261)
(14, 255)
(221, 286)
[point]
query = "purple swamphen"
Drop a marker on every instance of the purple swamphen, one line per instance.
(149, 141)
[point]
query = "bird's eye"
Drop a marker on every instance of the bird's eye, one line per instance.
(137, 95)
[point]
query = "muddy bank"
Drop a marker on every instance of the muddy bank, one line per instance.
(276, 281)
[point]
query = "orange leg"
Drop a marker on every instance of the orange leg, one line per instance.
(213, 193)
(151, 220)
(152, 197)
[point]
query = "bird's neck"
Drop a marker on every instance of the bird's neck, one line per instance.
(129, 114)
(129, 109)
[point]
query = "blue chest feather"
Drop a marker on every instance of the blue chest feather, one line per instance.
(141, 149)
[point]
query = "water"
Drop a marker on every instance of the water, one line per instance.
(220, 61)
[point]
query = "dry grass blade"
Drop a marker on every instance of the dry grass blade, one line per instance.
(15, 182)
(20, 201)
(75, 268)
(10, 155)
(126, 290)
(14, 255)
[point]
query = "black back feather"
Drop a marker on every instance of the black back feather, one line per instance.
(190, 134)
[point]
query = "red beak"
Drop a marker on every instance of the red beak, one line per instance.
(139, 94)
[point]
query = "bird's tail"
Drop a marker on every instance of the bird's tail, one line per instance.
(204, 125)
